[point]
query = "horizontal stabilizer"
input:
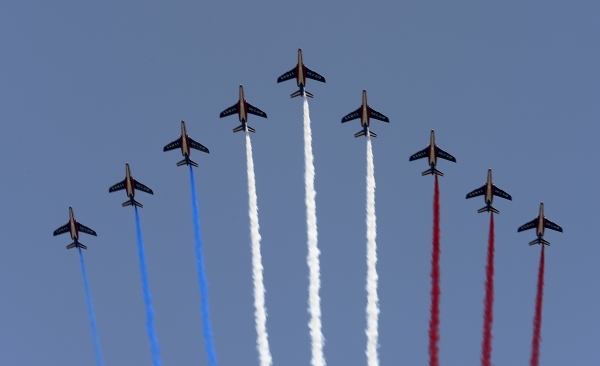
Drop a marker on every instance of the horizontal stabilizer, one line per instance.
(75, 245)
(132, 201)
(241, 128)
(363, 133)
(539, 241)
(488, 209)
(296, 94)
(432, 171)
(187, 162)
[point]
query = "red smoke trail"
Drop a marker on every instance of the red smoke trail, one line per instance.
(434, 322)
(537, 320)
(488, 312)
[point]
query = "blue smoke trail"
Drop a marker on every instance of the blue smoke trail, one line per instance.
(208, 336)
(90, 308)
(147, 297)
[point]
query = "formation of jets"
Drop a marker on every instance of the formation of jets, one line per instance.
(300, 72)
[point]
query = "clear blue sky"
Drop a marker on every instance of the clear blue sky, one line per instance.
(86, 87)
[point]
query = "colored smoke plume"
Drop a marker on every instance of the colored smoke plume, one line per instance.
(537, 319)
(155, 349)
(90, 308)
(372, 330)
(434, 322)
(488, 312)
(312, 259)
(260, 311)
(202, 281)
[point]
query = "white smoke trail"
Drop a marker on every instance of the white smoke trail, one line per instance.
(260, 311)
(314, 301)
(372, 298)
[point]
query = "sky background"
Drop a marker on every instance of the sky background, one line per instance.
(87, 86)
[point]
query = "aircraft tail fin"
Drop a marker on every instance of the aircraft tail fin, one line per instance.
(539, 241)
(432, 171)
(299, 94)
(187, 162)
(241, 128)
(132, 202)
(488, 209)
(75, 245)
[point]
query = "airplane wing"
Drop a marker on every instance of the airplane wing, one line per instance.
(229, 111)
(376, 115)
(61, 230)
(288, 75)
(444, 155)
(500, 193)
(255, 111)
(552, 226)
(85, 229)
(198, 146)
(117, 187)
(420, 155)
(140, 187)
(173, 145)
(351, 116)
(477, 192)
(530, 225)
(313, 75)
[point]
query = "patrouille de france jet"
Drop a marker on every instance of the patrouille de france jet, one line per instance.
(489, 190)
(301, 72)
(130, 185)
(540, 223)
(242, 108)
(432, 152)
(365, 113)
(185, 143)
(74, 228)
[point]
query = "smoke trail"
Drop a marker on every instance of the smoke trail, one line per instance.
(260, 311)
(208, 337)
(372, 298)
(314, 301)
(488, 313)
(434, 322)
(537, 320)
(90, 308)
(147, 297)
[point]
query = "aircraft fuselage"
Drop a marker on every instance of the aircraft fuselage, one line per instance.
(432, 150)
(185, 142)
(489, 189)
(242, 112)
(129, 183)
(73, 230)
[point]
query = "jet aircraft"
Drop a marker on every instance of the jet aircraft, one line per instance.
(130, 185)
(185, 143)
(432, 152)
(73, 227)
(301, 72)
(242, 108)
(489, 190)
(540, 223)
(365, 113)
